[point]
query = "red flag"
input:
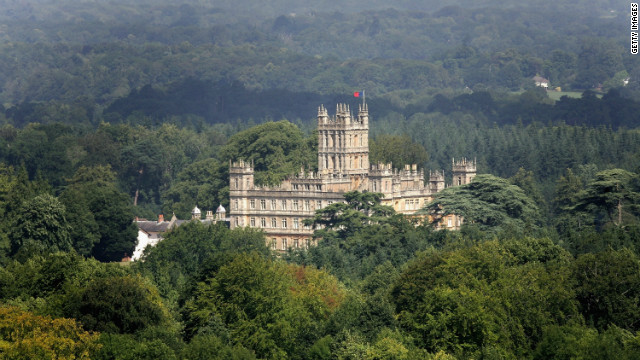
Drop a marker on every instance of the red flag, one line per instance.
(357, 93)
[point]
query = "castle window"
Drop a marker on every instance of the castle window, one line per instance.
(306, 243)
(459, 180)
(274, 223)
(263, 204)
(307, 187)
(253, 222)
(318, 204)
(235, 204)
(449, 222)
(296, 223)
(235, 221)
(273, 204)
(329, 202)
(295, 186)
(235, 183)
(284, 223)
(247, 183)
(295, 204)
(252, 203)
(374, 186)
(284, 204)
(263, 222)
(274, 243)
(307, 205)
(296, 243)
(284, 244)
(319, 187)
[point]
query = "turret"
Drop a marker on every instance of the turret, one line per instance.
(240, 175)
(463, 171)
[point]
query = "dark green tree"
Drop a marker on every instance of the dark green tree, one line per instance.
(489, 202)
(398, 150)
(102, 217)
(40, 227)
(276, 149)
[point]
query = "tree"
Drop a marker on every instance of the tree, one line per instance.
(276, 149)
(264, 305)
(358, 210)
(614, 193)
(488, 201)
(203, 183)
(398, 150)
(608, 288)
(101, 217)
(40, 227)
(118, 304)
(25, 336)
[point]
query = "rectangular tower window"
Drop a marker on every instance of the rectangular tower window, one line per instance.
(296, 223)
(284, 244)
(306, 243)
(273, 204)
(274, 243)
(307, 205)
(253, 222)
(295, 204)
(296, 243)
(235, 204)
(274, 223)
(284, 223)
(263, 204)
(284, 204)
(318, 204)
(263, 222)
(252, 203)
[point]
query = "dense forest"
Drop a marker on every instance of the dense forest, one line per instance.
(111, 110)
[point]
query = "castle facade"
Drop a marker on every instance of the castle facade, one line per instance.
(343, 166)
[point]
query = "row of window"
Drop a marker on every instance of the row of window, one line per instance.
(295, 223)
(284, 245)
(331, 140)
(306, 187)
(283, 204)
(412, 204)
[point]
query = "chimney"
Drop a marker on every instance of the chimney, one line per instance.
(160, 218)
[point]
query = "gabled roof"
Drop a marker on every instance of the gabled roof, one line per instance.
(153, 226)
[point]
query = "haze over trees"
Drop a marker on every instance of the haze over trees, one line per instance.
(111, 110)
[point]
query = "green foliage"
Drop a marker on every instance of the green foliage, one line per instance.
(99, 214)
(203, 183)
(24, 335)
(211, 347)
(40, 227)
(397, 150)
(118, 304)
(607, 288)
(265, 306)
(127, 347)
(488, 296)
(276, 150)
(488, 201)
(611, 197)
(193, 249)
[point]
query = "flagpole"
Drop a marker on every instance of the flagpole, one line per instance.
(364, 97)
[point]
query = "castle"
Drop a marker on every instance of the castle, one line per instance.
(343, 165)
